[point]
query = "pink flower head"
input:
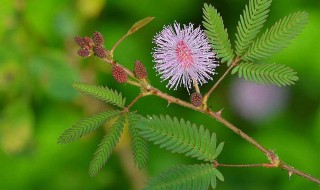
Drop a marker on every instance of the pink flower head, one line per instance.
(183, 55)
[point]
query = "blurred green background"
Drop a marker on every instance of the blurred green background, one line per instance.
(39, 63)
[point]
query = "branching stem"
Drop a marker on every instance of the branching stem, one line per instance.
(272, 157)
(136, 99)
(133, 102)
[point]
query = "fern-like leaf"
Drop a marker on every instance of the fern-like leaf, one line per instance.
(217, 34)
(101, 93)
(276, 74)
(139, 145)
(85, 126)
(251, 21)
(278, 37)
(104, 150)
(185, 177)
(180, 137)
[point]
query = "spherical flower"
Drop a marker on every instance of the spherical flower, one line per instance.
(183, 56)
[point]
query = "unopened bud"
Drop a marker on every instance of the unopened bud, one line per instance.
(98, 39)
(88, 42)
(139, 70)
(100, 51)
(84, 53)
(79, 41)
(119, 74)
(196, 99)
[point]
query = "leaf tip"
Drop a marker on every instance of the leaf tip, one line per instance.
(140, 24)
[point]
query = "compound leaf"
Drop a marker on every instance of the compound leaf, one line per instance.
(251, 21)
(185, 177)
(101, 93)
(86, 126)
(217, 34)
(139, 145)
(278, 37)
(106, 146)
(276, 74)
(180, 137)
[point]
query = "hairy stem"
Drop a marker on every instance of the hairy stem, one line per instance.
(212, 114)
(237, 131)
(265, 165)
(292, 170)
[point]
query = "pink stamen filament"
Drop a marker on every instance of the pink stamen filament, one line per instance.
(184, 54)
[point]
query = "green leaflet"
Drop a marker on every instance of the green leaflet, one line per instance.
(106, 146)
(181, 137)
(139, 145)
(276, 74)
(251, 21)
(278, 37)
(85, 126)
(101, 93)
(185, 177)
(140, 24)
(217, 34)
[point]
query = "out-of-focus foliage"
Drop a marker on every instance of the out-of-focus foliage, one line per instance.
(39, 63)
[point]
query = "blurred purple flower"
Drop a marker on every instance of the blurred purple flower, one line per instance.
(257, 103)
(183, 55)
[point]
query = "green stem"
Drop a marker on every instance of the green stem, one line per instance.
(118, 42)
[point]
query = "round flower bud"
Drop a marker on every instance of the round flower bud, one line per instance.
(98, 38)
(100, 51)
(119, 74)
(196, 99)
(139, 70)
(79, 41)
(84, 53)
